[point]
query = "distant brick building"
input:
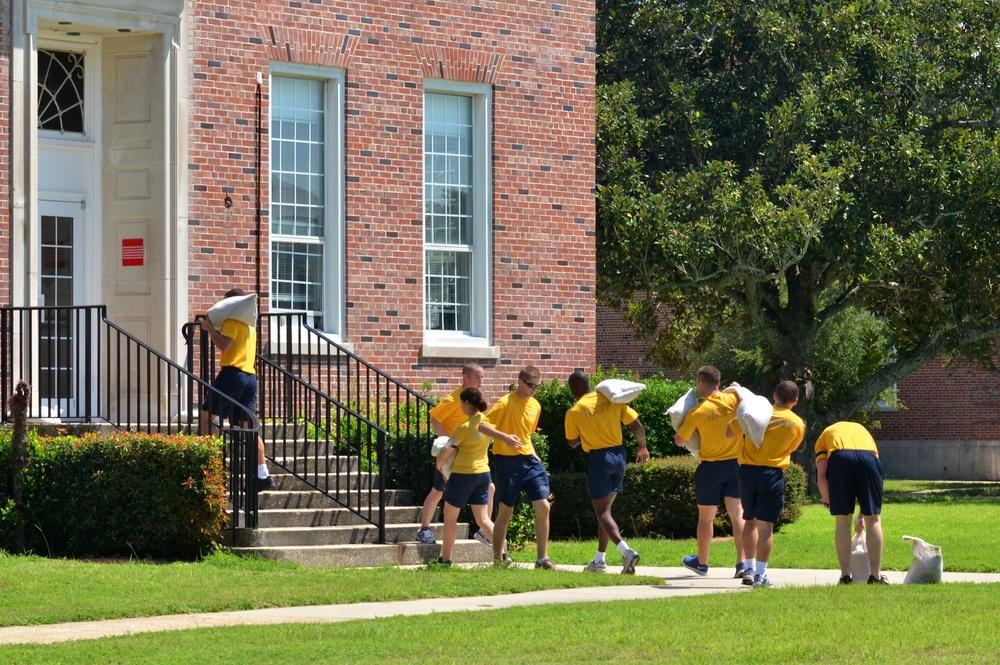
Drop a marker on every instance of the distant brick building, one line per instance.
(424, 172)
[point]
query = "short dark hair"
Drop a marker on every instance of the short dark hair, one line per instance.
(579, 378)
(468, 369)
(786, 392)
(232, 293)
(710, 375)
(529, 373)
(473, 397)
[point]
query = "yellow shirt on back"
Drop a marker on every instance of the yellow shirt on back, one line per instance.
(449, 412)
(783, 436)
(513, 415)
(710, 419)
(242, 353)
(597, 421)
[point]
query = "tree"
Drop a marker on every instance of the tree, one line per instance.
(784, 168)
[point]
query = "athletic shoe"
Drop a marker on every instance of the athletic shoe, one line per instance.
(425, 536)
(506, 559)
(881, 579)
(748, 578)
(545, 563)
(846, 579)
(441, 562)
(481, 537)
(741, 570)
(761, 582)
(264, 484)
(629, 561)
(596, 566)
(691, 563)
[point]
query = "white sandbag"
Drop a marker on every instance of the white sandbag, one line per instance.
(860, 568)
(928, 564)
(679, 411)
(753, 414)
(447, 465)
(439, 444)
(620, 391)
(241, 308)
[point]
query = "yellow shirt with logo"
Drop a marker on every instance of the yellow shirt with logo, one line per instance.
(597, 421)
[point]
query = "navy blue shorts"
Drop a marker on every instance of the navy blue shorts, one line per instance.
(605, 471)
(439, 480)
(238, 385)
(714, 481)
(520, 473)
(762, 492)
(468, 489)
(855, 474)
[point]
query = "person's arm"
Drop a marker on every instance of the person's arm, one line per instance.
(642, 454)
(492, 432)
(446, 453)
(821, 481)
(438, 427)
(573, 443)
(221, 341)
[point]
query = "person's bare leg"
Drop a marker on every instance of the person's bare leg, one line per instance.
(607, 528)
(450, 530)
(541, 527)
(430, 507)
(735, 509)
(765, 540)
(504, 513)
(874, 540)
(482, 516)
(842, 539)
(706, 529)
(750, 535)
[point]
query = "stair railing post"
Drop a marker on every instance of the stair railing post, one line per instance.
(382, 470)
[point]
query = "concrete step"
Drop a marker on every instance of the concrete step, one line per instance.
(308, 498)
(337, 535)
(328, 481)
(310, 517)
(395, 554)
(311, 462)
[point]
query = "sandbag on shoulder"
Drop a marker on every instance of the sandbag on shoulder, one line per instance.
(679, 411)
(620, 391)
(240, 308)
(753, 414)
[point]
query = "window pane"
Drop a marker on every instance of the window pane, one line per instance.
(297, 276)
(60, 91)
(447, 298)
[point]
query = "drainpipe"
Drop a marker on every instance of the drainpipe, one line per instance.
(260, 83)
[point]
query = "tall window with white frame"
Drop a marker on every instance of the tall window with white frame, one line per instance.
(456, 264)
(305, 204)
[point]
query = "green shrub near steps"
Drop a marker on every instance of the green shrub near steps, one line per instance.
(657, 502)
(129, 495)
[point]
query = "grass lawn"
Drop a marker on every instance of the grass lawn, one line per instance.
(951, 623)
(964, 528)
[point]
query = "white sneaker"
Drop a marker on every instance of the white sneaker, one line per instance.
(748, 578)
(481, 537)
(425, 536)
(629, 560)
(596, 566)
(761, 582)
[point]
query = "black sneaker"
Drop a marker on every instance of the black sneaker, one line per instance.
(846, 579)
(441, 562)
(265, 484)
(877, 580)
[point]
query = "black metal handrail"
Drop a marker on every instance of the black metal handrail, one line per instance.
(86, 369)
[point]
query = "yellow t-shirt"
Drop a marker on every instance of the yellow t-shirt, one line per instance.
(844, 435)
(597, 421)
(710, 419)
(471, 454)
(449, 412)
(243, 351)
(781, 438)
(513, 415)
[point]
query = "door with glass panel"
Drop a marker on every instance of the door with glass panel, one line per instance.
(59, 234)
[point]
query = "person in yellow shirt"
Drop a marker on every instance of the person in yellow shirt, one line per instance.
(762, 480)
(511, 422)
(596, 423)
(469, 482)
(445, 417)
(848, 468)
(715, 480)
(237, 379)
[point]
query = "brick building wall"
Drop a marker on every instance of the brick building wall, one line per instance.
(539, 58)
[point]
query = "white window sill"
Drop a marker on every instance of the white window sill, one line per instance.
(465, 350)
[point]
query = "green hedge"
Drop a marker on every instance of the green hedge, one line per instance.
(131, 495)
(657, 502)
(651, 405)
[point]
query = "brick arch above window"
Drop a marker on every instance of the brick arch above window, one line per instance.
(458, 64)
(308, 47)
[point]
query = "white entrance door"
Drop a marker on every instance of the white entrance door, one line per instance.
(60, 283)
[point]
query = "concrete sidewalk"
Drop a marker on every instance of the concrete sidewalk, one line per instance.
(677, 582)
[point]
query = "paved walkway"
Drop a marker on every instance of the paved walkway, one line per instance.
(677, 582)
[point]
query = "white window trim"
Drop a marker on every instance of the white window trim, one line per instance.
(333, 264)
(446, 344)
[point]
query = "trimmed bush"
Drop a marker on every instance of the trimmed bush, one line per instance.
(657, 502)
(141, 495)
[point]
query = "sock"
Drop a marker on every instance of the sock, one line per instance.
(622, 547)
(262, 471)
(761, 568)
(751, 564)
(599, 557)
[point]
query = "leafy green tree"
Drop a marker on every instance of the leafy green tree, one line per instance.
(810, 175)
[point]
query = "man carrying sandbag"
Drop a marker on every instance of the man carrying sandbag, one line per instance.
(848, 469)
(237, 341)
(762, 479)
(715, 480)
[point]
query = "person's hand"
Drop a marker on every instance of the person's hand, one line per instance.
(514, 442)
(206, 324)
(642, 456)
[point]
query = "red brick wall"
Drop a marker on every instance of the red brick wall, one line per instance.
(540, 59)
(5, 151)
